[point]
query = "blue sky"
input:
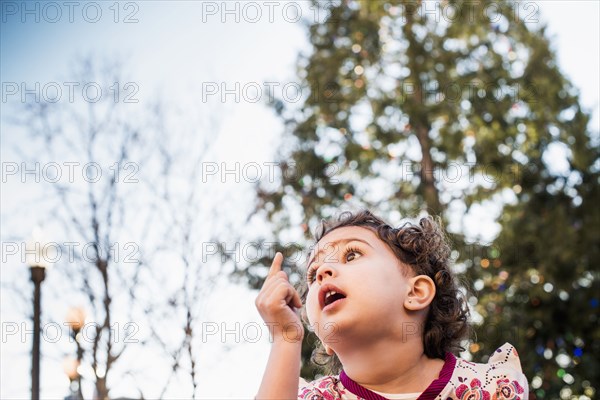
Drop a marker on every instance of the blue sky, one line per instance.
(172, 50)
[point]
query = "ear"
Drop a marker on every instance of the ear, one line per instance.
(328, 350)
(420, 294)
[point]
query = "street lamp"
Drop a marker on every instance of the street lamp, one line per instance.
(70, 366)
(36, 253)
(76, 320)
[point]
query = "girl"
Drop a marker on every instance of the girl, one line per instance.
(389, 317)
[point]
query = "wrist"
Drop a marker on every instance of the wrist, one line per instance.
(288, 337)
(289, 333)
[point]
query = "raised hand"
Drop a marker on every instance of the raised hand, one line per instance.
(276, 302)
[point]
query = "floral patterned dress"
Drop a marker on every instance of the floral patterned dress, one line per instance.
(500, 378)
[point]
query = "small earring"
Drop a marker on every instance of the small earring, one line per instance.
(410, 301)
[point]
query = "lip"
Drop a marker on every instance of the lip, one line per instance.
(331, 307)
(323, 291)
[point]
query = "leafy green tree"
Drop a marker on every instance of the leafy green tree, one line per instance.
(411, 109)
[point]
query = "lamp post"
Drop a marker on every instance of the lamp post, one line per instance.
(76, 320)
(38, 274)
(35, 256)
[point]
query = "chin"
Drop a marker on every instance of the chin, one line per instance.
(332, 328)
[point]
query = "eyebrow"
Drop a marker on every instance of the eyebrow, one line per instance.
(333, 244)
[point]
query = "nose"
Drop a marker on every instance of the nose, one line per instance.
(326, 270)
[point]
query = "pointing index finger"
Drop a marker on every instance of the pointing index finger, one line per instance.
(276, 265)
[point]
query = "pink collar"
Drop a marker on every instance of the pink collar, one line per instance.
(429, 394)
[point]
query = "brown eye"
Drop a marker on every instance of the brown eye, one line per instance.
(351, 254)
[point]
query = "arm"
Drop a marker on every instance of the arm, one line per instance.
(275, 303)
(280, 380)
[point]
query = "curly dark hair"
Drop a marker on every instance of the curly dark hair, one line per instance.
(424, 248)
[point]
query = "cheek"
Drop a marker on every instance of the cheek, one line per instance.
(312, 305)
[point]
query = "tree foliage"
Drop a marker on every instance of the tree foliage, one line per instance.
(410, 111)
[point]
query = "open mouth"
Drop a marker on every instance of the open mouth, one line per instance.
(329, 294)
(333, 296)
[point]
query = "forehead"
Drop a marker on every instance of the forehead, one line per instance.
(330, 241)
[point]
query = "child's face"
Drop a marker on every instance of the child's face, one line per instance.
(370, 277)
